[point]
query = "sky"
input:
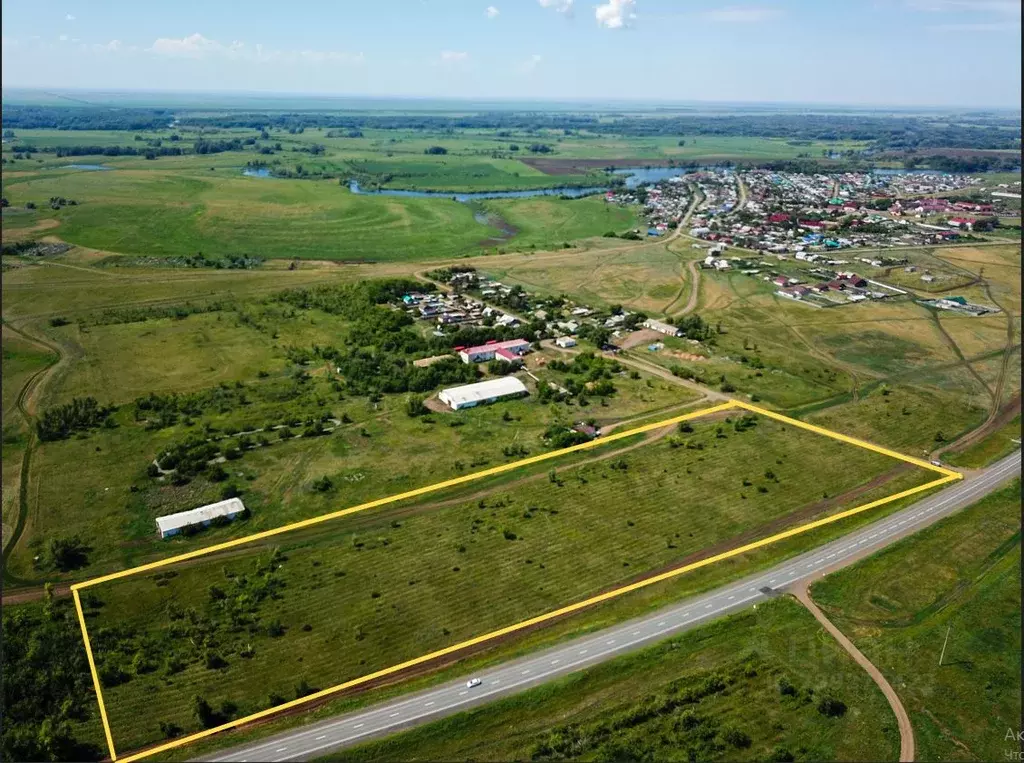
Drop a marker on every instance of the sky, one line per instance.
(863, 52)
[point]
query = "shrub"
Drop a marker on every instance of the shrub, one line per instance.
(169, 730)
(831, 707)
(68, 554)
(736, 738)
(323, 485)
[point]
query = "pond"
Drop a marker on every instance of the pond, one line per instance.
(90, 167)
(638, 175)
(256, 172)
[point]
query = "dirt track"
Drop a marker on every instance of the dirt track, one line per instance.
(902, 719)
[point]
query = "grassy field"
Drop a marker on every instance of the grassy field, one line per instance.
(597, 709)
(376, 451)
(961, 576)
(990, 449)
(21, 359)
(612, 272)
(891, 372)
(516, 549)
(160, 212)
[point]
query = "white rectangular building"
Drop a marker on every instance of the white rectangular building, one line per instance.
(469, 395)
(565, 341)
(663, 328)
(173, 524)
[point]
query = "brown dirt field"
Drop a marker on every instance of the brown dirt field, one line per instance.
(436, 405)
(583, 166)
(12, 236)
(686, 356)
(637, 338)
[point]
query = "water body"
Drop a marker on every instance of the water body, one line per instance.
(256, 172)
(573, 193)
(638, 175)
(90, 167)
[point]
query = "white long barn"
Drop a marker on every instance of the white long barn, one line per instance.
(173, 524)
(483, 392)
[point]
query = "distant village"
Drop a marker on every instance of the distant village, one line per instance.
(801, 231)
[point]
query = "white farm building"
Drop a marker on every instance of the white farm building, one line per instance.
(173, 524)
(483, 392)
(663, 328)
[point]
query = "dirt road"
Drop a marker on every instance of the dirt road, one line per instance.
(902, 719)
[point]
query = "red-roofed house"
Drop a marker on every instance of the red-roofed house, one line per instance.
(489, 351)
(509, 357)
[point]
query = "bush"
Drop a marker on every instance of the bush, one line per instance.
(736, 738)
(414, 406)
(169, 730)
(831, 707)
(323, 485)
(68, 554)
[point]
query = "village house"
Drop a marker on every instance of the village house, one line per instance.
(485, 352)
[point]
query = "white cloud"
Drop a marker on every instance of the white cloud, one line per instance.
(63, 38)
(69, 17)
(454, 56)
(562, 6)
(193, 46)
(615, 14)
(737, 15)
(197, 46)
(492, 11)
(530, 64)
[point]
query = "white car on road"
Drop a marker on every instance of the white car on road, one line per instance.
(473, 682)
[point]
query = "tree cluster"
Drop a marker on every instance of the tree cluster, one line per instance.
(81, 414)
(46, 685)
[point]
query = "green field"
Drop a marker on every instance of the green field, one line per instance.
(651, 705)
(961, 576)
(958, 711)
(411, 581)
(306, 402)
(162, 212)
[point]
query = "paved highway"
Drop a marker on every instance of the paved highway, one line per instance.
(452, 697)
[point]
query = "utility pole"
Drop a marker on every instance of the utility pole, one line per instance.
(944, 642)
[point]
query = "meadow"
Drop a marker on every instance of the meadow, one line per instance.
(487, 563)
(157, 212)
(613, 708)
(961, 577)
(251, 361)
(965, 571)
(895, 373)
(644, 278)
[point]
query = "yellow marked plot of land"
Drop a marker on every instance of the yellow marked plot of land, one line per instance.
(946, 476)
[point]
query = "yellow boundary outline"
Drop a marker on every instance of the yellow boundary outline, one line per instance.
(948, 475)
